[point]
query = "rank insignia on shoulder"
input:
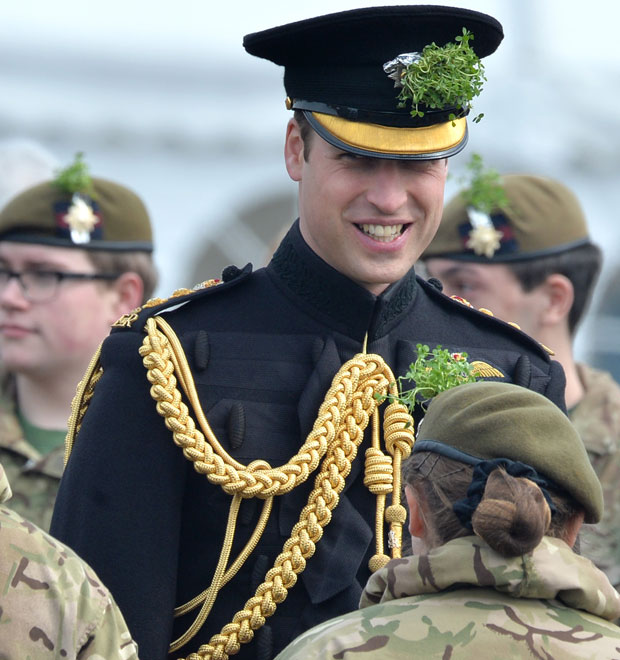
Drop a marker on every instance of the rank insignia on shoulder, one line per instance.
(485, 370)
(126, 320)
(461, 300)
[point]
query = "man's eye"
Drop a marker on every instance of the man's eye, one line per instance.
(458, 288)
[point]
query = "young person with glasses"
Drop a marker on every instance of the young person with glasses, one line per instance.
(75, 255)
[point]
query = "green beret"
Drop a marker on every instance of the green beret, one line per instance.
(542, 217)
(107, 217)
(346, 71)
(489, 420)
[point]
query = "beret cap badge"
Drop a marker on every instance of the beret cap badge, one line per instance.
(81, 216)
(483, 239)
(485, 194)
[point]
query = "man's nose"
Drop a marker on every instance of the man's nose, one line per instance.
(388, 190)
(12, 294)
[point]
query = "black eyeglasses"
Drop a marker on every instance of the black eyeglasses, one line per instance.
(42, 285)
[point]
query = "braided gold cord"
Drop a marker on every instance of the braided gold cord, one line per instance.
(81, 400)
(258, 479)
(335, 437)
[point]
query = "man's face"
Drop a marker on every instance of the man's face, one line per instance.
(369, 218)
(58, 334)
(494, 287)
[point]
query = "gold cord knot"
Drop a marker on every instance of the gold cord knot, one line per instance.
(398, 429)
(378, 472)
(377, 562)
(396, 513)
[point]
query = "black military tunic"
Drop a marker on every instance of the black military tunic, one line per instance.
(263, 348)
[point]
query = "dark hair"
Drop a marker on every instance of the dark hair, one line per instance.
(581, 265)
(512, 516)
(306, 131)
(141, 263)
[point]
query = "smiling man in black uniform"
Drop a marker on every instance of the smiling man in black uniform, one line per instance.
(190, 446)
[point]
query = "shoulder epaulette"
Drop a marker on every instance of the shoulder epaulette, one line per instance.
(436, 292)
(230, 277)
(488, 312)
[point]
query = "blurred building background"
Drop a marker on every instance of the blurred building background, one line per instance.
(164, 99)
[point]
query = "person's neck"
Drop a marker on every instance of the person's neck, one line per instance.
(46, 401)
(562, 345)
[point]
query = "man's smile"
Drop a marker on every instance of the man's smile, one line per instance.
(382, 233)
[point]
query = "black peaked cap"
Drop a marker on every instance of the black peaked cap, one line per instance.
(338, 58)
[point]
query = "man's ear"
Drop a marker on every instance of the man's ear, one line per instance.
(560, 296)
(571, 529)
(417, 526)
(294, 150)
(129, 290)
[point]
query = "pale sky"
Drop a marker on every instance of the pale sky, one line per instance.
(144, 27)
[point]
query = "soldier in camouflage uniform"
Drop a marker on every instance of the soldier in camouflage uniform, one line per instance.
(532, 262)
(53, 605)
(75, 255)
(497, 486)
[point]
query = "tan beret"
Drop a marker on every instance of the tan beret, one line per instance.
(543, 217)
(111, 218)
(491, 420)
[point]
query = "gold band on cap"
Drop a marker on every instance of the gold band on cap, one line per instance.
(392, 139)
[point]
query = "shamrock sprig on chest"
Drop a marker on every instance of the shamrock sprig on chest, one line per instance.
(433, 372)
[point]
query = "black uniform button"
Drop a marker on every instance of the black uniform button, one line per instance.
(523, 372)
(201, 350)
(230, 273)
(433, 281)
(236, 425)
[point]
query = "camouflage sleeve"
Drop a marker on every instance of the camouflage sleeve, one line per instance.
(597, 419)
(53, 604)
(601, 542)
(111, 639)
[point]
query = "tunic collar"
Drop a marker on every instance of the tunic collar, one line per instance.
(332, 297)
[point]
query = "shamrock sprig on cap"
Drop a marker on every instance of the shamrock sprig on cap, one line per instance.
(443, 77)
(76, 178)
(485, 192)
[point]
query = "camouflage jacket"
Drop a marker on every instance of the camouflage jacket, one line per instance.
(463, 600)
(34, 478)
(52, 605)
(597, 418)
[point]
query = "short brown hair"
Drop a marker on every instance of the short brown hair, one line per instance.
(306, 131)
(141, 263)
(581, 265)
